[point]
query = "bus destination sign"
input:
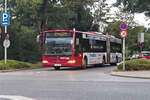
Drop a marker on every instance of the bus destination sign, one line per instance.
(58, 34)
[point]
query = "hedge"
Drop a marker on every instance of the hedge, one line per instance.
(135, 65)
(13, 64)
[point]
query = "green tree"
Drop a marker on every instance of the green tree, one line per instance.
(132, 38)
(22, 31)
(30, 17)
(136, 5)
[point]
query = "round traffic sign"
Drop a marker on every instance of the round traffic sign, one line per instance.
(141, 44)
(123, 33)
(6, 43)
(123, 26)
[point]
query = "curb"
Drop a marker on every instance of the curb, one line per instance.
(128, 76)
(4, 71)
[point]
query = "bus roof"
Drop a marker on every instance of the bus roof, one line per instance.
(112, 38)
(58, 31)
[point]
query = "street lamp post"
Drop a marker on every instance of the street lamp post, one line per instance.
(5, 57)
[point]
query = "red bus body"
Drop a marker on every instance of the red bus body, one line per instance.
(76, 59)
(64, 61)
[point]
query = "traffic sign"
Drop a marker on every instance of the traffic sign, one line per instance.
(6, 43)
(123, 33)
(141, 44)
(123, 26)
(5, 19)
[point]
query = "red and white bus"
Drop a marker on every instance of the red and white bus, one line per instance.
(62, 48)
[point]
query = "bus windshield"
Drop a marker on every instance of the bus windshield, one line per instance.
(61, 46)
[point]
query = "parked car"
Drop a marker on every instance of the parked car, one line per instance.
(135, 56)
(144, 55)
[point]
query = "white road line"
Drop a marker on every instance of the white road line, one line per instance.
(13, 97)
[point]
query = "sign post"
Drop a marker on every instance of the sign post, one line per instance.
(123, 34)
(0, 32)
(6, 44)
(5, 22)
(141, 40)
(124, 54)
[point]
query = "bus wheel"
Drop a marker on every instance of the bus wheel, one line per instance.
(84, 63)
(117, 60)
(103, 62)
(57, 68)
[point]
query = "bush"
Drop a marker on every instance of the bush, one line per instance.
(13, 64)
(134, 65)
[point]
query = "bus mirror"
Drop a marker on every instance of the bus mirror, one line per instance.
(38, 38)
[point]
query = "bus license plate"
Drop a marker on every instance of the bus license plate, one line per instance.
(57, 64)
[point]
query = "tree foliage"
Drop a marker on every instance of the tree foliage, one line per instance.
(136, 5)
(132, 37)
(29, 18)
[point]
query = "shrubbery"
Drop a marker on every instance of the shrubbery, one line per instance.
(13, 64)
(134, 65)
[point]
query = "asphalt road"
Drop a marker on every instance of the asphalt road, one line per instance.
(71, 84)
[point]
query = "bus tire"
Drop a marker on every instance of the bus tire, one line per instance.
(114, 64)
(117, 60)
(103, 62)
(57, 68)
(84, 66)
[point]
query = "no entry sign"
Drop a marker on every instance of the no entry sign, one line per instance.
(123, 33)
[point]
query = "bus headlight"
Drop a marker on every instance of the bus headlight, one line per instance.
(72, 61)
(45, 61)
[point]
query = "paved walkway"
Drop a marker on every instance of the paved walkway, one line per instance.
(133, 74)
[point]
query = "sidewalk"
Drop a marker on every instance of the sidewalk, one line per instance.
(133, 74)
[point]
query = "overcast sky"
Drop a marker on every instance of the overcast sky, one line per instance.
(139, 18)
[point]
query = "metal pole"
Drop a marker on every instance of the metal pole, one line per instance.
(123, 53)
(141, 48)
(5, 56)
(5, 5)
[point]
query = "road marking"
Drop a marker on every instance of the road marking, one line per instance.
(13, 97)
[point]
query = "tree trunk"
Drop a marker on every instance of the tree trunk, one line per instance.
(45, 20)
(38, 25)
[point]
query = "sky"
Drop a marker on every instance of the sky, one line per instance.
(140, 18)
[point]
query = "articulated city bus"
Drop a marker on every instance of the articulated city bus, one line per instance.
(62, 48)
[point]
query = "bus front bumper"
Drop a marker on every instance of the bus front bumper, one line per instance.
(70, 63)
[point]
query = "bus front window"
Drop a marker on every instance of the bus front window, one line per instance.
(58, 46)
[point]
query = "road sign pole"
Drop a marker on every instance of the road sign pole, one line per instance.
(5, 5)
(123, 53)
(5, 56)
(123, 34)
